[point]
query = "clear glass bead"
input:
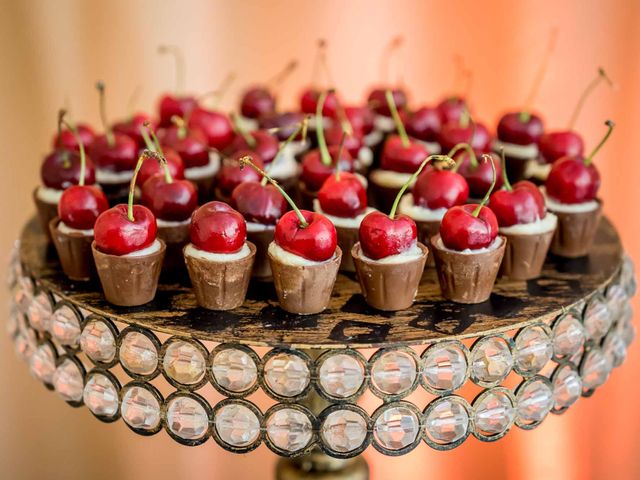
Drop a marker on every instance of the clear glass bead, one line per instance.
(341, 375)
(567, 387)
(615, 348)
(394, 372)
(491, 360)
(595, 369)
(187, 418)
(237, 425)
(344, 431)
(397, 427)
(140, 408)
(101, 396)
(289, 429)
(43, 363)
(68, 381)
(616, 300)
(65, 327)
(287, 374)
(568, 335)
(534, 401)
(184, 362)
(494, 413)
(138, 354)
(533, 349)
(445, 368)
(39, 312)
(97, 341)
(446, 421)
(234, 370)
(597, 319)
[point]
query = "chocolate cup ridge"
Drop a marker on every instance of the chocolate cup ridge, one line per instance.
(129, 281)
(46, 212)
(347, 238)
(389, 286)
(74, 252)
(525, 254)
(261, 266)
(575, 232)
(426, 230)
(176, 238)
(467, 277)
(220, 285)
(305, 289)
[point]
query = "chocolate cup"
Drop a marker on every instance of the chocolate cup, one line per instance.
(426, 230)
(129, 281)
(205, 188)
(347, 238)
(74, 252)
(381, 197)
(389, 286)
(46, 212)
(516, 167)
(575, 233)
(220, 285)
(220, 196)
(305, 289)
(175, 238)
(306, 196)
(116, 192)
(467, 278)
(525, 254)
(261, 265)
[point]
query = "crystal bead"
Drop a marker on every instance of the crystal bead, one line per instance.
(494, 413)
(595, 369)
(445, 367)
(286, 374)
(341, 375)
(22, 346)
(344, 431)
(65, 327)
(39, 312)
(184, 362)
(138, 354)
(597, 319)
(234, 370)
(627, 277)
(567, 387)
(43, 363)
(534, 402)
(625, 327)
(289, 430)
(187, 418)
(22, 298)
(97, 341)
(140, 408)
(568, 335)
(446, 421)
(68, 381)
(101, 395)
(533, 349)
(13, 321)
(491, 360)
(394, 372)
(615, 348)
(396, 427)
(237, 425)
(616, 300)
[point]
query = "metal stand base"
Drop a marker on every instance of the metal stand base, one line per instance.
(317, 466)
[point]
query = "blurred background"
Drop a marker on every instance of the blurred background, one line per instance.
(51, 53)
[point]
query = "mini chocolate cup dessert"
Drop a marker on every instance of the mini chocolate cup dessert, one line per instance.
(129, 281)
(220, 195)
(517, 167)
(426, 230)
(380, 196)
(467, 277)
(389, 286)
(261, 266)
(575, 232)
(306, 196)
(220, 285)
(205, 187)
(175, 236)
(525, 254)
(305, 289)
(46, 212)
(74, 252)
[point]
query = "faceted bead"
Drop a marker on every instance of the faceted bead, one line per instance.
(138, 354)
(445, 367)
(287, 374)
(101, 396)
(491, 360)
(23, 347)
(97, 341)
(187, 418)
(567, 387)
(625, 326)
(184, 363)
(289, 430)
(23, 297)
(616, 300)
(627, 277)
(568, 335)
(394, 372)
(237, 425)
(597, 319)
(533, 349)
(65, 327)
(234, 370)
(39, 312)
(595, 369)
(43, 363)
(534, 402)
(615, 348)
(68, 381)
(447, 421)
(344, 430)
(396, 428)
(13, 321)
(341, 375)
(494, 413)
(140, 408)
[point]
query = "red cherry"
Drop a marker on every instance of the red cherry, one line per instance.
(479, 177)
(343, 195)
(520, 128)
(377, 100)
(218, 228)
(571, 181)
(523, 204)
(352, 143)
(440, 188)
(424, 124)
(173, 202)
(361, 119)
(172, 105)
(259, 203)
(451, 109)
(131, 127)
(66, 140)
(231, 173)
(554, 145)
(314, 172)
(80, 206)
(115, 234)
(119, 157)
(61, 169)
(284, 123)
(309, 103)
(382, 236)
(452, 133)
(256, 102)
(216, 126)
(398, 158)
(266, 145)
(192, 146)
(461, 230)
(150, 167)
(317, 241)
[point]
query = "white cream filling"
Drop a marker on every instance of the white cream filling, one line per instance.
(283, 166)
(297, 147)
(108, 177)
(373, 138)
(249, 124)
(384, 124)
(544, 225)
(432, 147)
(536, 169)
(515, 150)
(172, 223)
(194, 252)
(49, 195)
(153, 248)
(255, 227)
(205, 171)
(408, 255)
(389, 178)
(289, 258)
(421, 214)
(365, 157)
(467, 251)
(343, 222)
(556, 206)
(64, 228)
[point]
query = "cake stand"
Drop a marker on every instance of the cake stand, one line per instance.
(534, 348)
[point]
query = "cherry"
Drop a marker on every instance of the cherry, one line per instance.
(361, 119)
(171, 158)
(479, 175)
(576, 179)
(218, 228)
(190, 143)
(61, 169)
(66, 140)
(377, 101)
(131, 127)
(309, 103)
(173, 105)
(232, 174)
(461, 131)
(440, 188)
(423, 124)
(215, 126)
(126, 228)
(352, 142)
(343, 195)
(281, 124)
(258, 101)
(451, 109)
(260, 142)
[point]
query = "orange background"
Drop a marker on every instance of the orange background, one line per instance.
(53, 51)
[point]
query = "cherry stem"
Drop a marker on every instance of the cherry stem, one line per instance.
(133, 100)
(320, 62)
(182, 126)
(397, 120)
(302, 127)
(242, 131)
(465, 117)
(156, 147)
(340, 148)
(247, 160)
(472, 155)
(610, 125)
(345, 123)
(76, 135)
(387, 56)
(160, 158)
(322, 142)
(525, 114)
(103, 114)
(180, 67)
(219, 92)
(132, 186)
(505, 177)
(61, 113)
(443, 158)
(602, 75)
(147, 140)
(282, 75)
(486, 157)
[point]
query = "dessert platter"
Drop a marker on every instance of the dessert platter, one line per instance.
(179, 262)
